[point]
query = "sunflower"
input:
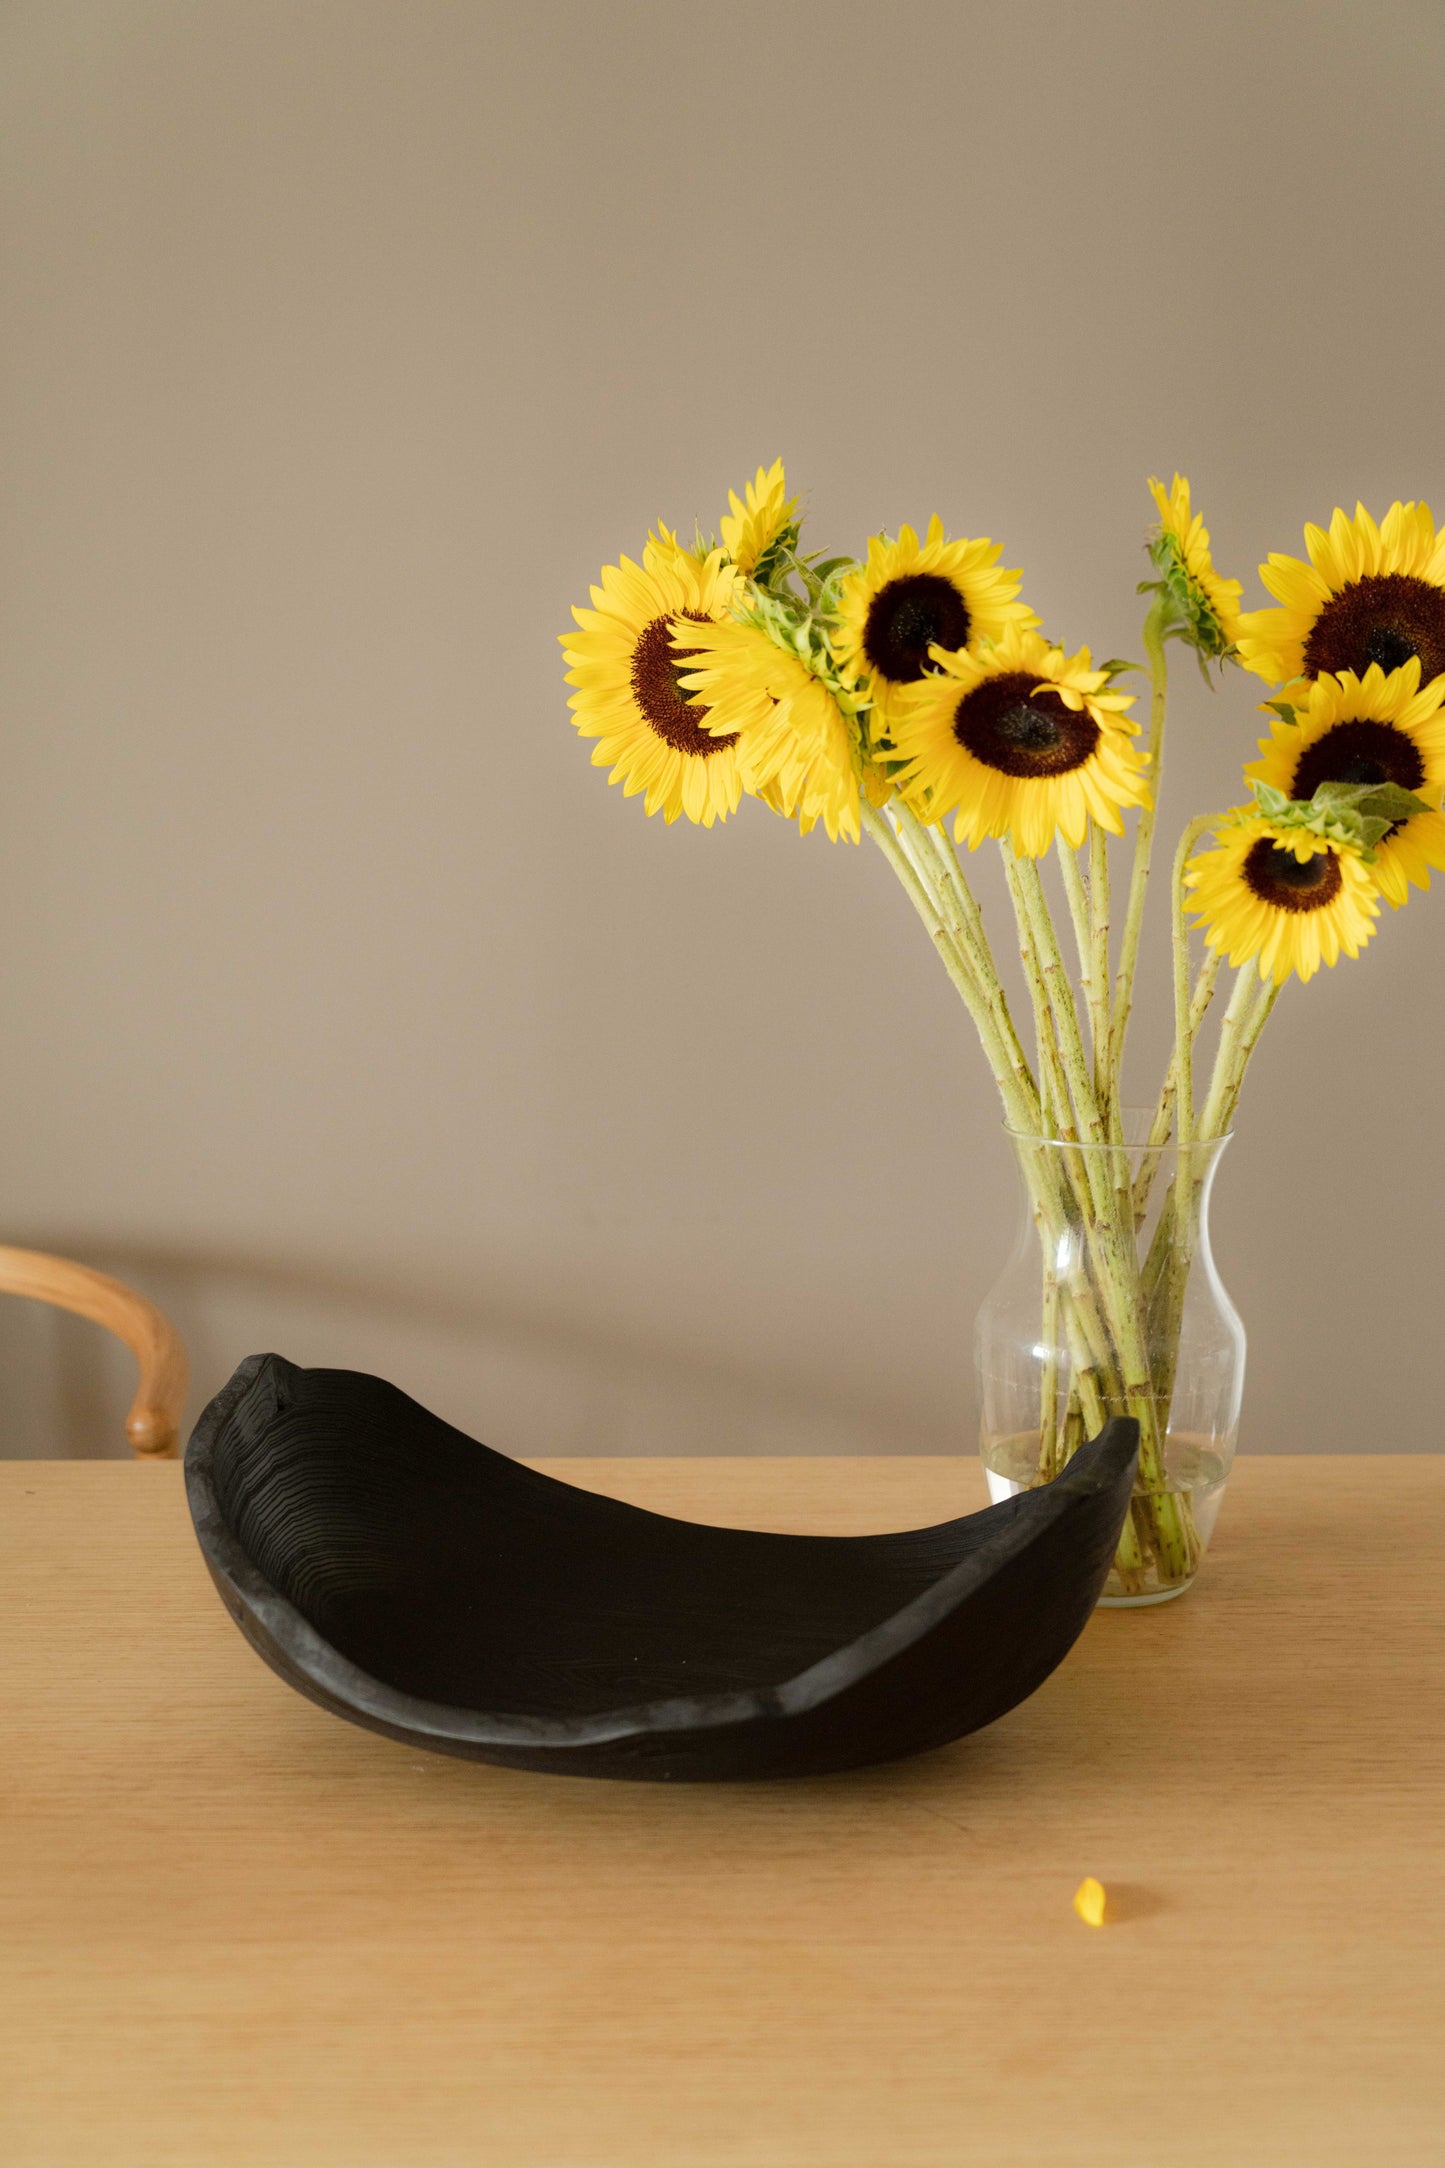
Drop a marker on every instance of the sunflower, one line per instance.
(663, 547)
(1208, 606)
(911, 597)
(757, 526)
(794, 749)
(1019, 740)
(1368, 595)
(1375, 729)
(1283, 894)
(626, 671)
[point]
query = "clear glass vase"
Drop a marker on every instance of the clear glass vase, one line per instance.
(1111, 1305)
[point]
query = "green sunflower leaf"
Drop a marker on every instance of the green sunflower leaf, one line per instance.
(1386, 802)
(1356, 816)
(1184, 609)
(1272, 803)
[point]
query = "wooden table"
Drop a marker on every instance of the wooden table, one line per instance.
(234, 1930)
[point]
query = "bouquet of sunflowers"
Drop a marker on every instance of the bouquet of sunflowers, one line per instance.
(890, 695)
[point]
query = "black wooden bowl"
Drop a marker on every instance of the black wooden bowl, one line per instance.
(408, 1578)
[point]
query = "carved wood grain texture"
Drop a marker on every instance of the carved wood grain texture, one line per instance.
(234, 1931)
(407, 1577)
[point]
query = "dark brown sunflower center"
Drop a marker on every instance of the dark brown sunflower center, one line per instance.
(658, 669)
(1287, 883)
(1360, 752)
(1008, 725)
(908, 617)
(1386, 618)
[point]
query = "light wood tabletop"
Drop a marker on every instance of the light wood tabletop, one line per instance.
(234, 1930)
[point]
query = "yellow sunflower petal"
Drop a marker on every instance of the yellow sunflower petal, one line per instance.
(909, 597)
(1369, 594)
(794, 747)
(628, 694)
(1281, 897)
(1212, 607)
(1017, 740)
(1384, 727)
(757, 519)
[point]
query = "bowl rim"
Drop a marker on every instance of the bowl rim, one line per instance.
(317, 1663)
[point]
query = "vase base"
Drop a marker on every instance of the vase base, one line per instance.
(1150, 1595)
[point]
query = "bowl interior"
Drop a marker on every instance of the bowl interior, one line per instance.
(457, 1575)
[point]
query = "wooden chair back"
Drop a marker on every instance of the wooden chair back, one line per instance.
(153, 1424)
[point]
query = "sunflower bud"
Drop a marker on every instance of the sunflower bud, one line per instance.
(1195, 604)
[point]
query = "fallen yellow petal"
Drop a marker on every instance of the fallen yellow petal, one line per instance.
(1089, 1901)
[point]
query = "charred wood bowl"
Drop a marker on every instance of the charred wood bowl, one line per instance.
(413, 1581)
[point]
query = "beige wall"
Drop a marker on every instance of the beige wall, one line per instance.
(343, 1007)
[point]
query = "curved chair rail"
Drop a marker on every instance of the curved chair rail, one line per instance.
(153, 1424)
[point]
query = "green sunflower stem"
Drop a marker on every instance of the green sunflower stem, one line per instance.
(1166, 1316)
(1027, 885)
(1078, 900)
(1161, 1127)
(1060, 1121)
(1153, 636)
(1166, 1267)
(1231, 1083)
(1080, 1169)
(939, 875)
(1049, 1456)
(1166, 1271)
(1060, 1038)
(1055, 1208)
(955, 960)
(1183, 1019)
(1102, 1022)
(1053, 1087)
(1227, 1072)
(1058, 1116)
(1063, 1194)
(1016, 1086)
(1093, 980)
(1031, 904)
(1165, 1520)
(1131, 1558)
(1030, 1112)
(929, 847)
(1094, 1310)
